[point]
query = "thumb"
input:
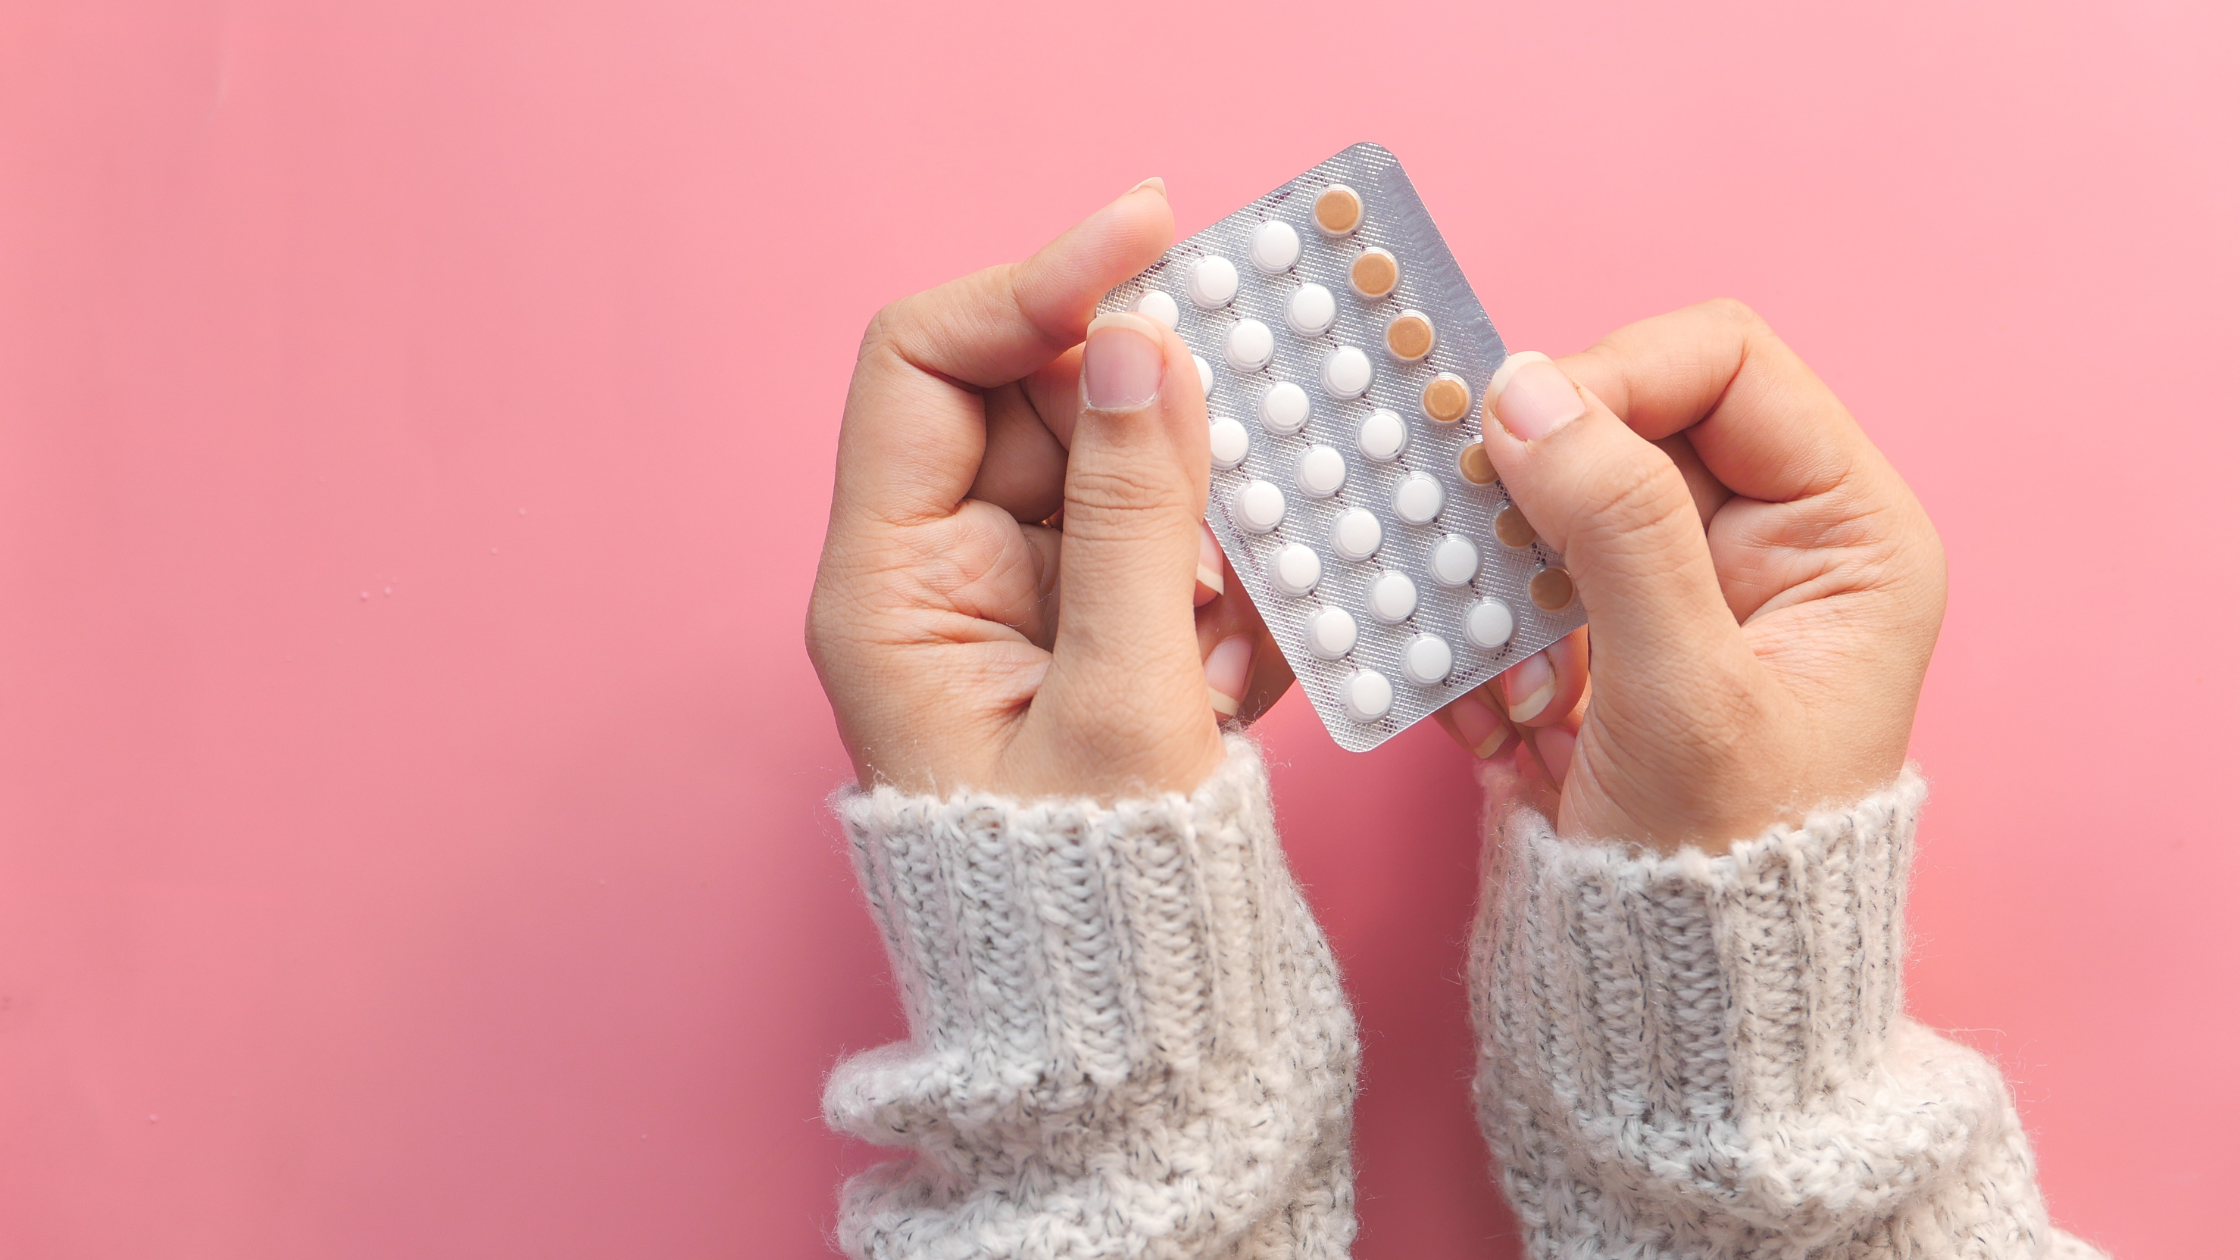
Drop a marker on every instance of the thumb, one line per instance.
(1620, 512)
(1127, 679)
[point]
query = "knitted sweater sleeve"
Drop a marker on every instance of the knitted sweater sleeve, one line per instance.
(1127, 1036)
(1692, 1056)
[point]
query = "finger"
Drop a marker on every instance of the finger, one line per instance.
(1553, 746)
(1477, 724)
(1763, 423)
(1212, 575)
(1231, 615)
(1023, 468)
(1544, 687)
(913, 433)
(1136, 479)
(1619, 511)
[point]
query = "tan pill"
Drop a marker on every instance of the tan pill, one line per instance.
(1375, 273)
(1446, 398)
(1409, 336)
(1510, 526)
(1477, 469)
(1551, 589)
(1337, 211)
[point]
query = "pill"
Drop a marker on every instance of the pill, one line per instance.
(1446, 398)
(1409, 336)
(1294, 569)
(1366, 694)
(1311, 310)
(1284, 408)
(1205, 374)
(1357, 535)
(1475, 465)
(1454, 561)
(1551, 589)
(1346, 372)
(1489, 624)
(1159, 307)
(1337, 210)
(1375, 273)
(1230, 443)
(1419, 499)
(1249, 346)
(1212, 282)
(1330, 632)
(1275, 248)
(1510, 526)
(1427, 660)
(1259, 506)
(1392, 597)
(1383, 435)
(1322, 470)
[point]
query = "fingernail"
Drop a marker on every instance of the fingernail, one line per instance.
(1529, 687)
(1555, 745)
(1480, 727)
(1228, 669)
(1154, 183)
(1209, 563)
(1532, 397)
(1123, 362)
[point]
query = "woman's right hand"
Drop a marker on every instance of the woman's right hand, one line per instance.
(1762, 589)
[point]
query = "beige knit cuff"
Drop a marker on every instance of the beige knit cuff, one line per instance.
(1064, 939)
(1696, 985)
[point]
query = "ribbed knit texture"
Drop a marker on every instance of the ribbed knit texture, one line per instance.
(1692, 1056)
(1127, 1034)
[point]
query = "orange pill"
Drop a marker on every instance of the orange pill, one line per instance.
(1337, 211)
(1478, 471)
(1446, 398)
(1409, 336)
(1375, 273)
(1551, 589)
(1510, 526)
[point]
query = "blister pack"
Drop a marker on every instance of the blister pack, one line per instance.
(1342, 351)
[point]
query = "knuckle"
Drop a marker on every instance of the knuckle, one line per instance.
(1639, 496)
(1119, 490)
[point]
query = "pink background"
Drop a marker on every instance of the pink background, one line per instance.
(415, 420)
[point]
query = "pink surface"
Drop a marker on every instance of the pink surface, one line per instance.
(415, 420)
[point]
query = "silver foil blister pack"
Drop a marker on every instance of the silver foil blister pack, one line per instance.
(1382, 682)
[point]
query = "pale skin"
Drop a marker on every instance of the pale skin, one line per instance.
(1017, 594)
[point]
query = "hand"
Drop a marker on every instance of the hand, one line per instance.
(995, 470)
(1763, 589)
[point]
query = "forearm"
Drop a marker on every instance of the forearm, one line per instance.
(1694, 1056)
(1127, 1034)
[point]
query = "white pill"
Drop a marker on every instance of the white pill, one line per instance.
(1205, 374)
(1311, 311)
(1284, 408)
(1331, 633)
(1275, 247)
(1294, 569)
(1230, 443)
(1346, 372)
(1249, 346)
(1454, 561)
(1419, 499)
(1384, 435)
(1212, 283)
(1427, 660)
(1489, 624)
(1366, 694)
(1322, 470)
(1259, 506)
(1357, 535)
(1392, 597)
(1159, 307)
